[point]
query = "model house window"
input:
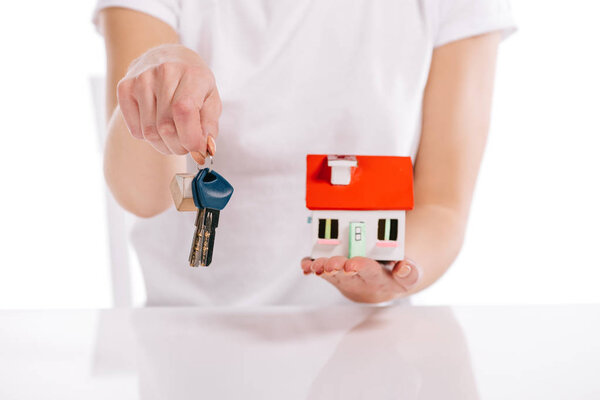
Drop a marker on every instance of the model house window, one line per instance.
(387, 229)
(328, 228)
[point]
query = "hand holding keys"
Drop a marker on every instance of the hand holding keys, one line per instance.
(210, 193)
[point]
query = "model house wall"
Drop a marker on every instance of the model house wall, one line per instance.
(377, 248)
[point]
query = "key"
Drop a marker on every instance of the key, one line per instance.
(211, 193)
(207, 221)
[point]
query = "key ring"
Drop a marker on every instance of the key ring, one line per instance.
(209, 167)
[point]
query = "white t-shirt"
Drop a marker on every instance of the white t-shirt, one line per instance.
(295, 77)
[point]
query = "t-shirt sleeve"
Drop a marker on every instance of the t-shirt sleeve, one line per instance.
(165, 10)
(459, 19)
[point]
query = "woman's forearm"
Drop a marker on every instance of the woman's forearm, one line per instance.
(456, 116)
(434, 236)
(135, 172)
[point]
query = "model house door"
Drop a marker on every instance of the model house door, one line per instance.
(357, 245)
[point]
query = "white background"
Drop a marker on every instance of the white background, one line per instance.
(534, 231)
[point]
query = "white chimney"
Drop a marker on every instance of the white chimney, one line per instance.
(341, 168)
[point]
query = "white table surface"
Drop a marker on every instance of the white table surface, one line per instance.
(353, 352)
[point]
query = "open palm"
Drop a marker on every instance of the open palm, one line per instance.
(365, 280)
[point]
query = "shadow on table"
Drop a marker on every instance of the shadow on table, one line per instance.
(353, 352)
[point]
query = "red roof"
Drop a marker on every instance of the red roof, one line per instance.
(377, 183)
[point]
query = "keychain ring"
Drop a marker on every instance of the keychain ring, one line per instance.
(209, 167)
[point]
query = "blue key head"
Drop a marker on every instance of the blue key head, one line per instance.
(211, 190)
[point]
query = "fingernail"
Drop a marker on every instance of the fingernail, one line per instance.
(212, 146)
(404, 271)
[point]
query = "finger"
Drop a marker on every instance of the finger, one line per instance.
(167, 78)
(364, 266)
(168, 133)
(147, 106)
(406, 273)
(305, 264)
(185, 107)
(199, 158)
(129, 107)
(334, 265)
(318, 265)
(211, 147)
(209, 118)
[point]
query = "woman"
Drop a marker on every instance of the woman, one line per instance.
(411, 78)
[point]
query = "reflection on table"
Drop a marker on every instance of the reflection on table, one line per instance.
(353, 352)
(345, 353)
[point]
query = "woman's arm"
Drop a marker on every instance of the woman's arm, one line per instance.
(136, 173)
(157, 93)
(456, 115)
(456, 119)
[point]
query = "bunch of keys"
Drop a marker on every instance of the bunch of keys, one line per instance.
(208, 193)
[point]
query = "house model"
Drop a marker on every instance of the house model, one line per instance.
(358, 205)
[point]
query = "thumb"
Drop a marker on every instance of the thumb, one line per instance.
(407, 273)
